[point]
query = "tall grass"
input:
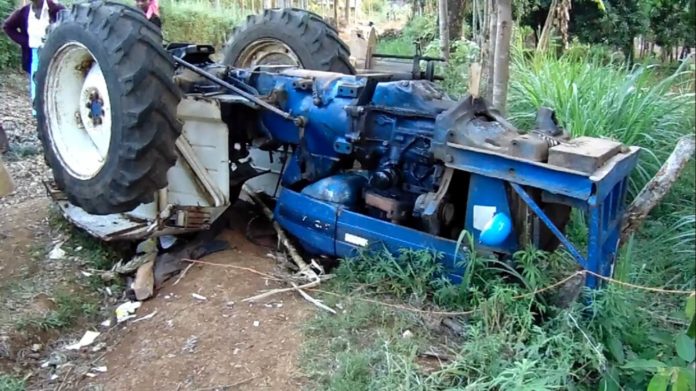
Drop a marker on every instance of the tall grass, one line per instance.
(612, 101)
(200, 22)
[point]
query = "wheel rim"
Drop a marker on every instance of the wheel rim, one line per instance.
(78, 110)
(267, 51)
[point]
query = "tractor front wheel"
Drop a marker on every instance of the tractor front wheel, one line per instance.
(106, 107)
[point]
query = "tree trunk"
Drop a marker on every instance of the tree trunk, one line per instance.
(546, 31)
(489, 52)
(501, 73)
(455, 12)
(653, 191)
(347, 12)
(444, 30)
(335, 13)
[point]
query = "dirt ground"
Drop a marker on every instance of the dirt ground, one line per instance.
(218, 343)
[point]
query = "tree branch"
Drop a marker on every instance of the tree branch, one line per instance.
(655, 190)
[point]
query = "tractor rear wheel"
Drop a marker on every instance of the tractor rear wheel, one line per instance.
(106, 107)
(288, 37)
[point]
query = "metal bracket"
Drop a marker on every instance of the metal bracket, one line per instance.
(549, 224)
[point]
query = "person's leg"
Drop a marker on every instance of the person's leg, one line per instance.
(34, 67)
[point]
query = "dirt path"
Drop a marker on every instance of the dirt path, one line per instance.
(22, 232)
(219, 343)
(216, 343)
(189, 344)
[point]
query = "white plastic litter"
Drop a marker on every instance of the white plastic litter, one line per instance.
(146, 317)
(86, 340)
(167, 241)
(199, 297)
(57, 252)
(127, 310)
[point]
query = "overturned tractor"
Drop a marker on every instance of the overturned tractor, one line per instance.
(146, 140)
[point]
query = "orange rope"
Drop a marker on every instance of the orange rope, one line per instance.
(461, 313)
(645, 288)
(397, 306)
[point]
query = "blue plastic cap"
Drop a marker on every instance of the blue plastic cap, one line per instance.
(496, 230)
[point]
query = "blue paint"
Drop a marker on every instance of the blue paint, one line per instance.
(539, 175)
(390, 129)
(323, 227)
(342, 189)
(488, 194)
(496, 231)
(311, 221)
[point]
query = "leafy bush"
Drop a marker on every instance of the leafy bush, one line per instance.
(370, 7)
(9, 51)
(199, 22)
(421, 29)
(456, 71)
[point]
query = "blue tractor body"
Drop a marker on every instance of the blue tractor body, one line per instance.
(387, 164)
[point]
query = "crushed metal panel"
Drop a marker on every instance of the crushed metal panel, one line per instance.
(208, 137)
(145, 211)
(107, 227)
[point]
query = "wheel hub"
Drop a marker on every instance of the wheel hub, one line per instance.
(78, 110)
(95, 104)
(267, 52)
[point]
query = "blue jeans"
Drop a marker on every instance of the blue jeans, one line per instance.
(32, 83)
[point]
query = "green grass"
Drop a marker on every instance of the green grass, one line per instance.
(71, 308)
(199, 21)
(511, 340)
(504, 346)
(593, 99)
(9, 383)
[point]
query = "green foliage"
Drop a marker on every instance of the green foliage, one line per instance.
(197, 21)
(9, 383)
(503, 347)
(671, 21)
(456, 71)
(9, 51)
(617, 25)
(667, 373)
(70, 308)
(422, 29)
(592, 99)
(370, 7)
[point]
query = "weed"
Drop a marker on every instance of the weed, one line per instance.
(71, 307)
(181, 21)
(95, 253)
(9, 383)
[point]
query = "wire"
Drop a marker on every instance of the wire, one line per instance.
(469, 312)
